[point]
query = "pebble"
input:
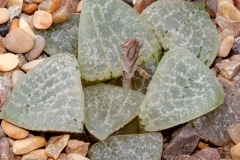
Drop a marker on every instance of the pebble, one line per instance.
(29, 8)
(183, 143)
(78, 147)
(4, 149)
(235, 152)
(236, 45)
(49, 5)
(24, 146)
(184, 157)
(79, 6)
(5, 89)
(61, 15)
(237, 4)
(14, 24)
(74, 156)
(225, 46)
(35, 155)
(234, 132)
(211, 7)
(202, 145)
(229, 1)
(2, 133)
(19, 41)
(70, 4)
(15, 12)
(23, 24)
(4, 15)
(39, 44)
(3, 3)
(207, 154)
(54, 148)
(225, 151)
(224, 23)
(17, 76)
(42, 19)
(228, 11)
(140, 5)
(62, 156)
(13, 131)
(8, 62)
(4, 28)
(37, 1)
(22, 60)
(11, 141)
(28, 66)
(225, 33)
(2, 47)
(17, 158)
(14, 3)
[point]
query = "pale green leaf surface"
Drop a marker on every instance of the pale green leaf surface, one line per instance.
(49, 98)
(182, 89)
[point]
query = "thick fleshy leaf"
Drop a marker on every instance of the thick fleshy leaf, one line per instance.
(108, 108)
(62, 37)
(182, 88)
(129, 147)
(49, 98)
(179, 23)
(104, 26)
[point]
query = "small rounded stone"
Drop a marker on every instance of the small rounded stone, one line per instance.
(29, 8)
(235, 152)
(8, 62)
(50, 5)
(14, 24)
(28, 66)
(61, 15)
(39, 44)
(4, 15)
(17, 76)
(79, 6)
(42, 19)
(228, 11)
(19, 41)
(225, 46)
(35, 155)
(2, 47)
(13, 131)
(5, 89)
(3, 3)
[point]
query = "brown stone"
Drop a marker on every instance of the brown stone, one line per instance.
(3, 3)
(70, 4)
(35, 155)
(235, 152)
(17, 158)
(14, 3)
(42, 19)
(4, 149)
(29, 8)
(74, 156)
(61, 15)
(225, 151)
(19, 41)
(39, 44)
(202, 145)
(75, 146)
(228, 11)
(79, 6)
(4, 15)
(237, 4)
(14, 24)
(2, 47)
(224, 23)
(140, 5)
(50, 5)
(62, 156)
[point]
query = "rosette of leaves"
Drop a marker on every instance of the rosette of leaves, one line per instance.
(104, 26)
(109, 108)
(129, 147)
(62, 37)
(179, 23)
(49, 97)
(182, 88)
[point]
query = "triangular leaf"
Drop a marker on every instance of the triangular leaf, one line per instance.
(182, 88)
(185, 24)
(104, 26)
(62, 37)
(129, 147)
(108, 108)
(49, 98)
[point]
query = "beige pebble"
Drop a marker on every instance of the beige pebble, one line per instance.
(229, 1)
(50, 5)
(4, 15)
(8, 62)
(35, 155)
(228, 11)
(78, 147)
(2, 47)
(29, 8)
(70, 4)
(37, 1)
(39, 44)
(3, 3)
(24, 146)
(61, 15)
(14, 3)
(226, 32)
(28, 66)
(74, 156)
(79, 6)
(11, 141)
(62, 156)
(23, 24)
(42, 19)
(14, 24)
(13, 131)
(225, 46)
(235, 152)
(233, 132)
(225, 23)
(19, 41)
(17, 76)
(54, 148)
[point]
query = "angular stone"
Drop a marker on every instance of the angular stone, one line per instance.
(183, 143)
(224, 23)
(229, 68)
(225, 46)
(184, 157)
(54, 148)
(5, 89)
(13, 131)
(74, 156)
(78, 147)
(17, 76)
(202, 145)
(207, 154)
(49, 5)
(19, 41)
(39, 44)
(234, 132)
(140, 5)
(213, 126)
(24, 146)
(35, 155)
(235, 152)
(4, 149)
(236, 45)
(225, 151)
(228, 11)
(211, 7)
(14, 3)
(15, 12)
(62, 156)
(30, 65)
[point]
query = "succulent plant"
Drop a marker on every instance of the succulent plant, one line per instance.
(179, 23)
(49, 97)
(62, 37)
(129, 147)
(104, 26)
(109, 108)
(182, 88)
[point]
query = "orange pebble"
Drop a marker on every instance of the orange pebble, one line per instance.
(14, 24)
(29, 8)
